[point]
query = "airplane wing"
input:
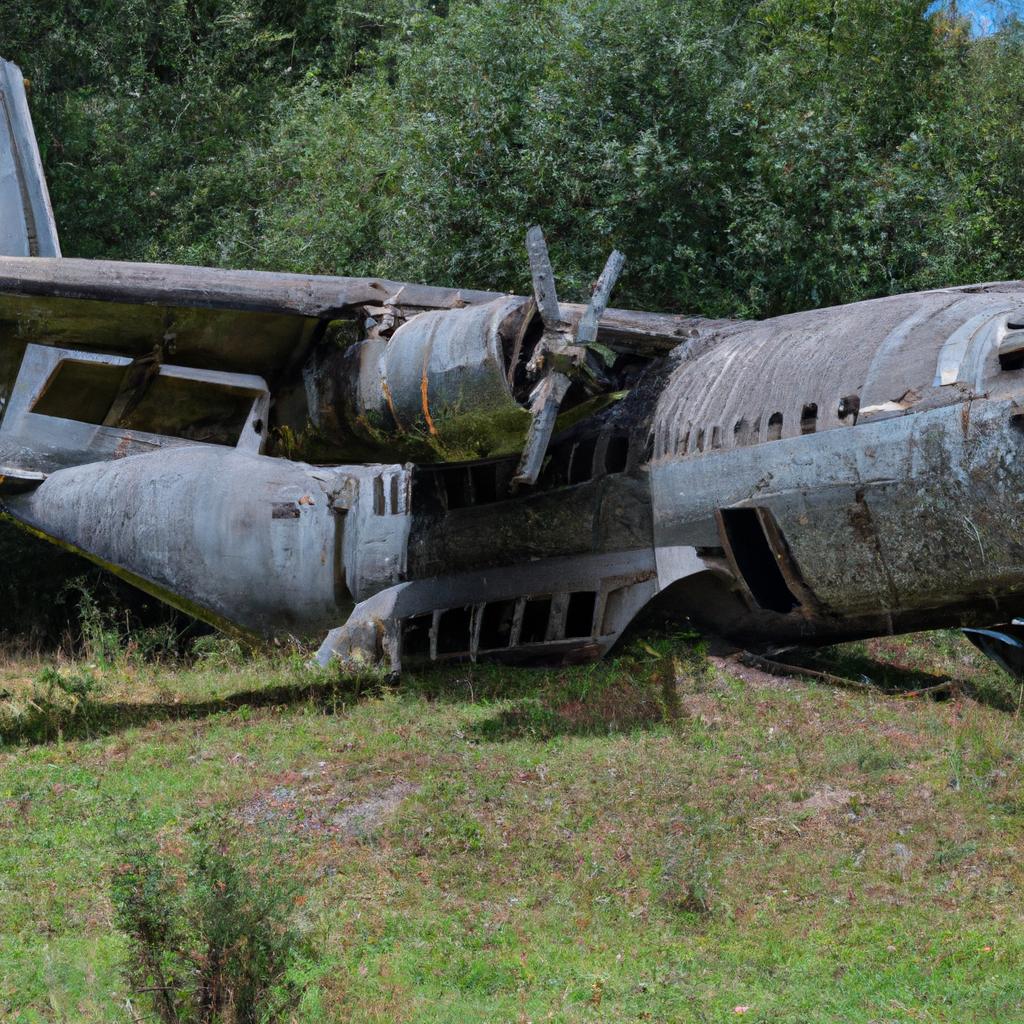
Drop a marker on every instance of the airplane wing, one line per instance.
(103, 357)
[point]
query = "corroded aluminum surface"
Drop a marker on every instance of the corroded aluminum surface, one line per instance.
(883, 351)
(250, 543)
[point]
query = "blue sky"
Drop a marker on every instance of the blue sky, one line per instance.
(986, 14)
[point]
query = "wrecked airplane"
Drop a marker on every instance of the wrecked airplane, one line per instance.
(417, 474)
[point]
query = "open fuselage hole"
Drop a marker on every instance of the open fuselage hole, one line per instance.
(579, 617)
(496, 625)
(536, 615)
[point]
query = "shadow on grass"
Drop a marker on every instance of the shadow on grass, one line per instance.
(862, 667)
(611, 696)
(637, 690)
(987, 684)
(43, 720)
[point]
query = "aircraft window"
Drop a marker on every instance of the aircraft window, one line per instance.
(774, 426)
(809, 418)
(581, 467)
(378, 496)
(536, 614)
(716, 437)
(453, 630)
(556, 470)
(849, 406)
(699, 445)
(485, 484)
(1011, 348)
(579, 618)
(457, 487)
(740, 434)
(496, 625)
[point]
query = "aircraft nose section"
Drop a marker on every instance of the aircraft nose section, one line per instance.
(239, 540)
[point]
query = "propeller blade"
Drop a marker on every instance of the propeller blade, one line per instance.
(543, 277)
(544, 405)
(586, 333)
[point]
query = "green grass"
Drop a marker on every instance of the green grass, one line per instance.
(654, 839)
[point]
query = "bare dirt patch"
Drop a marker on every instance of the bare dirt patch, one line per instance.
(732, 665)
(316, 803)
(822, 801)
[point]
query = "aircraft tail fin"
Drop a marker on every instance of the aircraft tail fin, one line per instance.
(27, 227)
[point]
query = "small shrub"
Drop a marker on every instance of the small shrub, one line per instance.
(99, 637)
(80, 684)
(949, 854)
(153, 643)
(60, 703)
(210, 940)
(688, 878)
(217, 650)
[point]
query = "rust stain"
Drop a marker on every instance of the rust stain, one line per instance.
(424, 389)
(391, 405)
(424, 383)
(965, 417)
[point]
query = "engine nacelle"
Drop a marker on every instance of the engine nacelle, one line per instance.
(451, 382)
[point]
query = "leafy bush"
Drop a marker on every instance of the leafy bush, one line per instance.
(60, 703)
(210, 940)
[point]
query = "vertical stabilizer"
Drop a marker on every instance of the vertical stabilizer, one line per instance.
(27, 227)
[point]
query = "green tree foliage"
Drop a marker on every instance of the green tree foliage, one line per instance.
(751, 157)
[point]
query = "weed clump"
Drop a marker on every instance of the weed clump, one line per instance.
(216, 650)
(110, 635)
(211, 938)
(58, 702)
(689, 872)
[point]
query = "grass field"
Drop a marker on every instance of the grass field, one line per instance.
(660, 838)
